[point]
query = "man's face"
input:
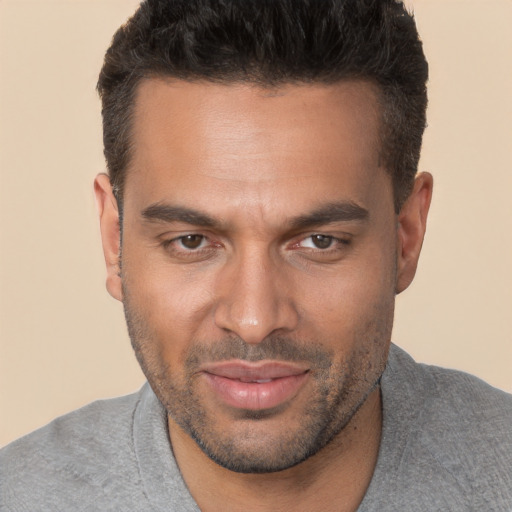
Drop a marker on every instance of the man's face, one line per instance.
(259, 262)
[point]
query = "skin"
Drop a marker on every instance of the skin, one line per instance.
(258, 284)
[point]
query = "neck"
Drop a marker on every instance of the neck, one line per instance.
(336, 478)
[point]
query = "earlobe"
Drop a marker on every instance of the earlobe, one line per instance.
(110, 233)
(412, 224)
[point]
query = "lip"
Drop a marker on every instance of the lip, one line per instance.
(255, 386)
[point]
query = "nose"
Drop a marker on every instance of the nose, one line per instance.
(255, 298)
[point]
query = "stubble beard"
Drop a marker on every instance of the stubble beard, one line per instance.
(339, 390)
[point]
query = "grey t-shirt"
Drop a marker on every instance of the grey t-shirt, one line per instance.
(446, 445)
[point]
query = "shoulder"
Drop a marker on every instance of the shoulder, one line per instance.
(456, 433)
(71, 456)
(452, 397)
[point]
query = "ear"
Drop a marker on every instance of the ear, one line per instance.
(110, 233)
(412, 223)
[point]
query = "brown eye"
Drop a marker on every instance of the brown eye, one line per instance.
(321, 241)
(191, 241)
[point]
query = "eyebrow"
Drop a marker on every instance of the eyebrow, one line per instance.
(343, 211)
(169, 213)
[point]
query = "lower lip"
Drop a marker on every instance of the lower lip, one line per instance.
(256, 396)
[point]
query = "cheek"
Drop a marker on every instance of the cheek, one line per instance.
(172, 300)
(354, 295)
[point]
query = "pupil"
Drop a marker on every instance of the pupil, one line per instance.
(192, 241)
(321, 241)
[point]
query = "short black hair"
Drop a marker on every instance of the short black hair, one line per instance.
(272, 42)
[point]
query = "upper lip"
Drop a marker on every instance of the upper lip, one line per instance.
(261, 370)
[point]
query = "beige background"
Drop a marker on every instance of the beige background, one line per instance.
(62, 338)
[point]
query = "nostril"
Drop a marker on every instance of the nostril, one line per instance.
(252, 300)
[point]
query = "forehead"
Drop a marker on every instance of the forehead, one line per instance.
(199, 138)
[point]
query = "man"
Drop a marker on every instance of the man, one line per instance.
(261, 212)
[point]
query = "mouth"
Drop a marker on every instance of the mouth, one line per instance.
(255, 386)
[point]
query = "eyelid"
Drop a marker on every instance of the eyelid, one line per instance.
(181, 239)
(175, 250)
(177, 239)
(342, 238)
(172, 241)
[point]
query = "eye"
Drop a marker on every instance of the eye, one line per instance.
(191, 247)
(317, 242)
(191, 242)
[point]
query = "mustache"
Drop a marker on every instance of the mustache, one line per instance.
(279, 348)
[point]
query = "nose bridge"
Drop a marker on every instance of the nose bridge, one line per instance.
(253, 298)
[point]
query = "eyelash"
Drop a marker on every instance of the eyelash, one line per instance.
(332, 239)
(168, 245)
(335, 246)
